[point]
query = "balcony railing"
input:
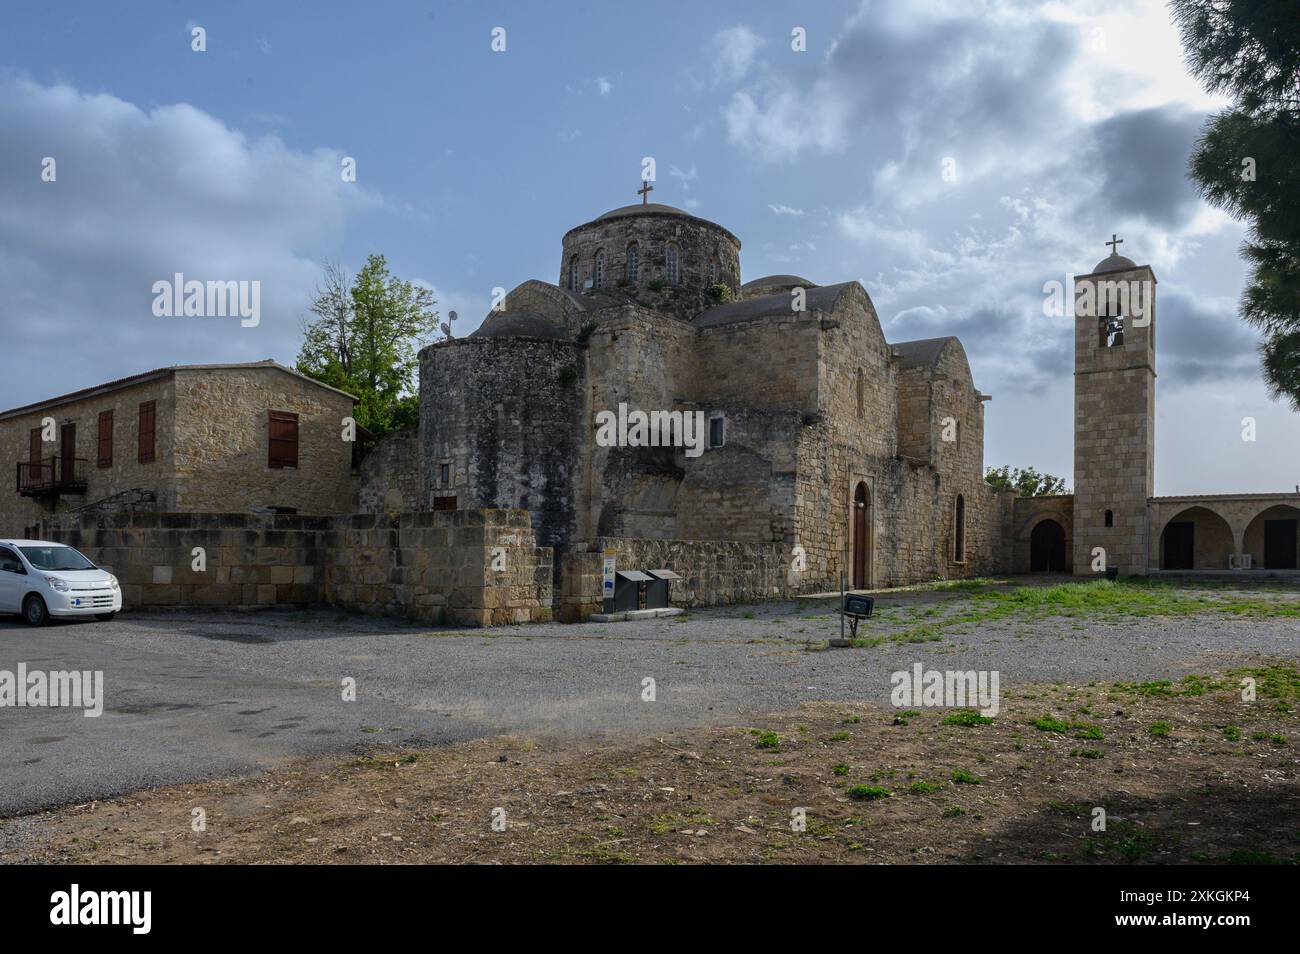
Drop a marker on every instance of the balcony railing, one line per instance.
(52, 476)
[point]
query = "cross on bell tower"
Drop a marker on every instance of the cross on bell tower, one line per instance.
(644, 191)
(1114, 241)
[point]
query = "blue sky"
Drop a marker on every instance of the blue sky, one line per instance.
(1064, 122)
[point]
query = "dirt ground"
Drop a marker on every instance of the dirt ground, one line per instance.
(875, 785)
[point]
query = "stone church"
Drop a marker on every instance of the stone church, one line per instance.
(791, 447)
(829, 448)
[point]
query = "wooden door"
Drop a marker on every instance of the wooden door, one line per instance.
(1279, 544)
(861, 536)
(1180, 546)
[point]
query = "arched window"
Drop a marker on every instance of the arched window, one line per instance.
(575, 283)
(1110, 321)
(959, 530)
(598, 275)
(674, 269)
(630, 268)
(1110, 518)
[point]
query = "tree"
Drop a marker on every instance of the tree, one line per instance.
(1245, 159)
(366, 338)
(1027, 482)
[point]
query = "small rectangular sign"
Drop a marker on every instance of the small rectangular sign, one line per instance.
(609, 568)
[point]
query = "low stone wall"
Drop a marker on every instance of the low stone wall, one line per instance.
(464, 567)
(713, 572)
(468, 567)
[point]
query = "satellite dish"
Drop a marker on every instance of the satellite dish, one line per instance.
(451, 315)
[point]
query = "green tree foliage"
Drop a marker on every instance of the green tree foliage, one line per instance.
(365, 339)
(1028, 482)
(1245, 161)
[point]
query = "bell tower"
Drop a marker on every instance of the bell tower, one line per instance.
(1114, 413)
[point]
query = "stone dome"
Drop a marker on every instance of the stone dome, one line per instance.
(1114, 263)
(773, 285)
(658, 255)
(518, 325)
(639, 209)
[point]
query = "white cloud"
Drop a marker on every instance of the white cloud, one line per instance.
(781, 209)
(604, 86)
(682, 176)
(138, 197)
(778, 122)
(734, 51)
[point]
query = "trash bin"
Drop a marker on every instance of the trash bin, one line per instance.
(627, 590)
(656, 591)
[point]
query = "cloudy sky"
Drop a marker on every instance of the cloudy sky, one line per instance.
(1063, 123)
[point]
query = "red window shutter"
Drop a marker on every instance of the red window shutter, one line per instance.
(146, 441)
(282, 442)
(34, 454)
(105, 438)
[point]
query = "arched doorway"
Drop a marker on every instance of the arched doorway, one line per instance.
(861, 537)
(1047, 547)
(1196, 539)
(1273, 538)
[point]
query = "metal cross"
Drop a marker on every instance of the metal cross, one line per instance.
(644, 191)
(1114, 241)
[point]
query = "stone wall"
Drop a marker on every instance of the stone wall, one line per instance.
(468, 568)
(465, 567)
(507, 415)
(390, 479)
(222, 435)
(1029, 512)
(713, 572)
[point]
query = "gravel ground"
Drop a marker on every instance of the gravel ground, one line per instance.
(201, 695)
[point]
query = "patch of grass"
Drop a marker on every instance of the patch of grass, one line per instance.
(1159, 730)
(868, 793)
(1277, 738)
(966, 717)
(922, 787)
(1126, 839)
(1088, 754)
(1086, 730)
(1050, 723)
(767, 740)
(963, 777)
(840, 769)
(839, 736)
(954, 811)
(1232, 733)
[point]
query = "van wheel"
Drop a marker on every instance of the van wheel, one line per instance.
(34, 611)
(104, 617)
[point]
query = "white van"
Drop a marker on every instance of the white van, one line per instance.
(39, 579)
